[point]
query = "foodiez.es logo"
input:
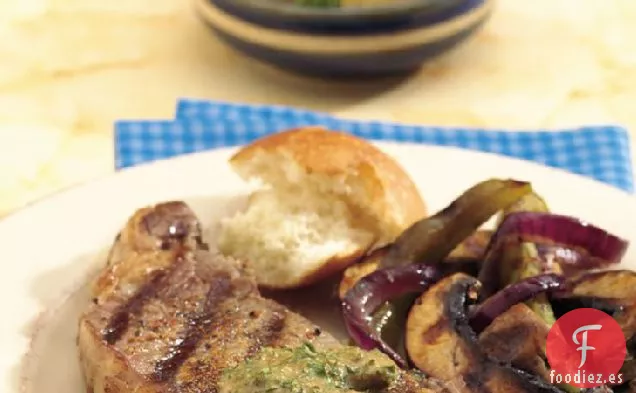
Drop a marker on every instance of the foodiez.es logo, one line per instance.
(586, 349)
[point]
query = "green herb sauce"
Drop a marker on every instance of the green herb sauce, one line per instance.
(307, 370)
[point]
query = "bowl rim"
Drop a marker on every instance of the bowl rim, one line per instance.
(346, 44)
(398, 7)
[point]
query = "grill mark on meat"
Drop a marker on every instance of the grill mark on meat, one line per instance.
(268, 333)
(165, 368)
(191, 309)
(118, 325)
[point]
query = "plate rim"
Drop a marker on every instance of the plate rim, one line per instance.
(7, 362)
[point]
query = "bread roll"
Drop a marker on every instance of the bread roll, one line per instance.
(327, 198)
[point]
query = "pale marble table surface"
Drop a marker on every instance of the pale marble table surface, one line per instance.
(69, 68)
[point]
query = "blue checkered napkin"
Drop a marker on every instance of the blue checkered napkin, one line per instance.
(598, 152)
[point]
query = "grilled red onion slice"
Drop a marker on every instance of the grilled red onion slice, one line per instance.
(595, 246)
(572, 243)
(373, 291)
(521, 291)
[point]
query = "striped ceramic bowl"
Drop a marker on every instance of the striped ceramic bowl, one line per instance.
(347, 41)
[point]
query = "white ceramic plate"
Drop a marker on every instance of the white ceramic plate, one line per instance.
(50, 249)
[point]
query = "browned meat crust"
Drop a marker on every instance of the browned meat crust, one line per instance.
(169, 316)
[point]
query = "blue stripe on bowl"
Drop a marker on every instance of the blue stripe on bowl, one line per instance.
(347, 21)
(385, 63)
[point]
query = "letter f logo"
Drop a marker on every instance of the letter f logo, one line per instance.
(583, 344)
(569, 343)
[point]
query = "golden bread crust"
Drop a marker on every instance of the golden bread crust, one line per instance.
(394, 198)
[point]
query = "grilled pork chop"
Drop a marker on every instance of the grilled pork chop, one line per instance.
(167, 315)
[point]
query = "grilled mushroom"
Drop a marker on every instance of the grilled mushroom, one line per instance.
(608, 284)
(440, 342)
(517, 337)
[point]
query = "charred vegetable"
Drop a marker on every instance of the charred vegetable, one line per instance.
(399, 287)
(529, 261)
(629, 367)
(441, 343)
(613, 292)
(430, 336)
(614, 289)
(566, 239)
(513, 294)
(600, 389)
(487, 334)
(531, 202)
(467, 258)
(473, 247)
(430, 240)
(514, 263)
(562, 304)
(610, 284)
(460, 265)
(517, 337)
(533, 265)
(374, 291)
(354, 273)
(527, 244)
